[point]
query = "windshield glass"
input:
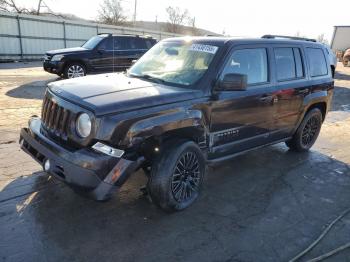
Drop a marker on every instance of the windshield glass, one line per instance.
(93, 41)
(175, 62)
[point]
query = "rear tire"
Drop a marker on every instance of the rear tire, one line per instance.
(73, 70)
(307, 132)
(176, 175)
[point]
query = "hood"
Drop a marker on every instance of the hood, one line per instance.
(66, 50)
(115, 92)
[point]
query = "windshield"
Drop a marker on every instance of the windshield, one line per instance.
(175, 62)
(93, 41)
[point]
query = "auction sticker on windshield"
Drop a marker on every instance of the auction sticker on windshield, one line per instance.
(204, 48)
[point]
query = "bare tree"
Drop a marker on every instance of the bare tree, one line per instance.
(192, 24)
(11, 6)
(176, 18)
(112, 12)
(322, 39)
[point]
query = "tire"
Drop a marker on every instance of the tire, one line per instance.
(307, 132)
(73, 70)
(176, 176)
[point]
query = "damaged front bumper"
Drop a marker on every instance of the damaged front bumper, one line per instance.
(98, 174)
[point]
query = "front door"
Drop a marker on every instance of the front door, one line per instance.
(241, 120)
(102, 58)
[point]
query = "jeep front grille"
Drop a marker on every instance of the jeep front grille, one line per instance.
(55, 118)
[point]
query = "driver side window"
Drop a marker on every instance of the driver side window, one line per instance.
(251, 62)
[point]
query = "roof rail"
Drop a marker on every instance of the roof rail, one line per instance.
(109, 34)
(288, 37)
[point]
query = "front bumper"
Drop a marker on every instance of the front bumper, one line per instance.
(55, 67)
(98, 174)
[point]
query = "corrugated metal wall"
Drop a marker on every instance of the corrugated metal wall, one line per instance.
(29, 36)
(341, 38)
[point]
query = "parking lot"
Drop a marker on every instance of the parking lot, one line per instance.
(267, 205)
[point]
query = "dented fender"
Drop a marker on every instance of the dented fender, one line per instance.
(158, 125)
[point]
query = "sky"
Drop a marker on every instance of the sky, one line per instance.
(247, 18)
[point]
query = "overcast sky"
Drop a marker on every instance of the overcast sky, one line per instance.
(236, 17)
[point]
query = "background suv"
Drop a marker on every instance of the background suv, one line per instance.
(101, 53)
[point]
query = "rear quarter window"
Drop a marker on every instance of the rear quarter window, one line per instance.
(317, 61)
(150, 43)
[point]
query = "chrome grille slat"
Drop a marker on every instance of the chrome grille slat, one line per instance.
(52, 114)
(64, 119)
(47, 116)
(55, 118)
(43, 111)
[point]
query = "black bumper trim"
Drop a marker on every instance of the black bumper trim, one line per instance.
(83, 168)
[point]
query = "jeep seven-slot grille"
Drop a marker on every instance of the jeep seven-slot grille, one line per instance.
(55, 118)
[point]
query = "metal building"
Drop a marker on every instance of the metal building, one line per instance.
(28, 36)
(341, 38)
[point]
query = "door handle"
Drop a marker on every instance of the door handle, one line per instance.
(269, 99)
(304, 91)
(266, 98)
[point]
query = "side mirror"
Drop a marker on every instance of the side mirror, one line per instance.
(233, 82)
(101, 50)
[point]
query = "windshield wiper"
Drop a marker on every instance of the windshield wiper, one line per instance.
(152, 78)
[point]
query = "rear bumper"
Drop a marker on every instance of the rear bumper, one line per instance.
(53, 67)
(98, 174)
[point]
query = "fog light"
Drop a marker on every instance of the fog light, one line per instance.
(47, 165)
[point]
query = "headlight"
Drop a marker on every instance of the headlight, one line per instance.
(57, 58)
(83, 125)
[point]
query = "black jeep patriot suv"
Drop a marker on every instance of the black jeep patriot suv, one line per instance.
(186, 103)
(100, 54)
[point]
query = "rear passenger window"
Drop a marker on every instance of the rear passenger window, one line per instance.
(285, 63)
(250, 62)
(298, 62)
(119, 43)
(289, 64)
(141, 43)
(317, 61)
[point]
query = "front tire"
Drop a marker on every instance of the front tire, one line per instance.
(73, 70)
(177, 175)
(307, 132)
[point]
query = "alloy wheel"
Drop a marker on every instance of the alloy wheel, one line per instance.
(186, 178)
(75, 71)
(310, 131)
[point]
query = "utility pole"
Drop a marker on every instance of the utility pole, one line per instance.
(39, 6)
(135, 8)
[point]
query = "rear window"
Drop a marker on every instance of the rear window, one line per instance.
(317, 61)
(289, 63)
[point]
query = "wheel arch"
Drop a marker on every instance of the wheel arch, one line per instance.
(320, 105)
(149, 134)
(75, 60)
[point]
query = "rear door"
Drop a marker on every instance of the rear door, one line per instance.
(127, 49)
(241, 120)
(290, 89)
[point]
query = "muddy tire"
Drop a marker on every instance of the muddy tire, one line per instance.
(307, 132)
(176, 175)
